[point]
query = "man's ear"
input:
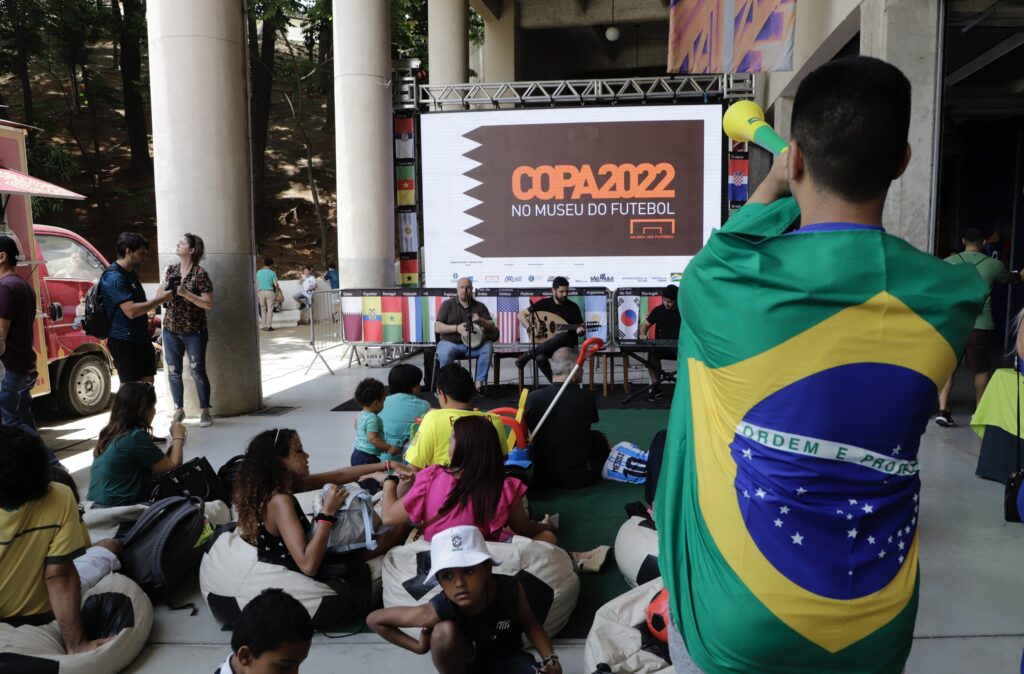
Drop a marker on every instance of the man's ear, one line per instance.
(795, 160)
(904, 163)
(245, 656)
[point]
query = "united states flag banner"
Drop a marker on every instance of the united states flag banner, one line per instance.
(508, 326)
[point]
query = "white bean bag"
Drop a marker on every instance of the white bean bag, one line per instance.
(544, 570)
(105, 522)
(619, 633)
(230, 576)
(115, 605)
(636, 551)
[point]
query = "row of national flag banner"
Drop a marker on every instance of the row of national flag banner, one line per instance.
(632, 306)
(407, 315)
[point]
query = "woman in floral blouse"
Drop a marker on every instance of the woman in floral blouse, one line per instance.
(185, 325)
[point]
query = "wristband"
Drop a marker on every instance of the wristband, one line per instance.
(549, 660)
(322, 517)
(391, 478)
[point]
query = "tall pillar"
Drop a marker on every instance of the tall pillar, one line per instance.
(448, 41)
(499, 48)
(908, 34)
(363, 136)
(198, 88)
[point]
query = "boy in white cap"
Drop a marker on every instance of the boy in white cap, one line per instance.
(476, 624)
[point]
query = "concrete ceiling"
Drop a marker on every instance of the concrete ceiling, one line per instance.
(984, 59)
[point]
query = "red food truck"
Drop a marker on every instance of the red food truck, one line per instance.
(61, 266)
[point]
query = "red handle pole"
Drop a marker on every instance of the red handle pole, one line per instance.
(590, 346)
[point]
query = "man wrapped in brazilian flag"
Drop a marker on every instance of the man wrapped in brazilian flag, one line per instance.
(811, 351)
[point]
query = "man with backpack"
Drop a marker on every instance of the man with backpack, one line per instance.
(977, 354)
(17, 323)
(124, 303)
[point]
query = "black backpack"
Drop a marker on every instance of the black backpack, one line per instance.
(161, 548)
(95, 321)
(227, 473)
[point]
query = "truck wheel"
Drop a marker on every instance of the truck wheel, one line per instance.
(84, 387)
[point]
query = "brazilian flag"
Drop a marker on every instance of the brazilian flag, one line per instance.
(787, 510)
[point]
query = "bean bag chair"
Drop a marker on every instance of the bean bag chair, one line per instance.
(619, 640)
(109, 522)
(230, 576)
(544, 570)
(636, 551)
(114, 606)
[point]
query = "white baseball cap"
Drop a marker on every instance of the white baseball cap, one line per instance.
(457, 548)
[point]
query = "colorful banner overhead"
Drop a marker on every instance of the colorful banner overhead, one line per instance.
(731, 36)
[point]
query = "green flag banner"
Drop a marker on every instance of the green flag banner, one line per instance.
(787, 507)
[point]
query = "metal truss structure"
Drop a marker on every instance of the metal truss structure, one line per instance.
(633, 90)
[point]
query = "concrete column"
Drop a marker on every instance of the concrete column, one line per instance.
(499, 48)
(363, 136)
(908, 34)
(198, 85)
(448, 41)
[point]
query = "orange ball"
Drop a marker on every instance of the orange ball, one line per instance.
(658, 616)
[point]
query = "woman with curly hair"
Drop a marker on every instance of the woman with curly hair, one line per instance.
(270, 517)
(126, 458)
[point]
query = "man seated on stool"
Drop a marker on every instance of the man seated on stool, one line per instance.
(559, 305)
(566, 452)
(451, 327)
(665, 319)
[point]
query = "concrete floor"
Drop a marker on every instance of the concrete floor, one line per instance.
(969, 618)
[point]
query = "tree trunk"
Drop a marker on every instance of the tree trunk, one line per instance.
(325, 40)
(115, 11)
(131, 81)
(262, 70)
(97, 161)
(26, 84)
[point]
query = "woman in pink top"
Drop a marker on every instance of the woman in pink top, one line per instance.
(472, 491)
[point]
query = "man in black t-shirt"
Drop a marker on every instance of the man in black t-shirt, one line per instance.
(559, 305)
(566, 452)
(665, 319)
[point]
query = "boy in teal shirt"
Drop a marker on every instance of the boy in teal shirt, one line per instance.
(403, 406)
(370, 445)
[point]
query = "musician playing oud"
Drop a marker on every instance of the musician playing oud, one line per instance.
(665, 319)
(536, 318)
(464, 328)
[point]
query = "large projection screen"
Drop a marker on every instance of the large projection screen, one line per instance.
(610, 197)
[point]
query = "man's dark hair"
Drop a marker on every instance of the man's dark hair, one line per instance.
(58, 474)
(272, 618)
(456, 383)
(9, 246)
(851, 117)
(670, 292)
(129, 242)
(560, 282)
(24, 468)
(403, 378)
(369, 391)
(973, 236)
(268, 261)
(306, 267)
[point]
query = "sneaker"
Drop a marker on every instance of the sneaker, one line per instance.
(205, 420)
(945, 419)
(655, 394)
(178, 416)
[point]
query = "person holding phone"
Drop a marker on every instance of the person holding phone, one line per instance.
(185, 325)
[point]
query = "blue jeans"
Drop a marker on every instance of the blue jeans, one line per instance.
(16, 400)
(16, 405)
(175, 346)
(448, 351)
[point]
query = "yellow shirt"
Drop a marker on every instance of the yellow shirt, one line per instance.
(44, 531)
(430, 444)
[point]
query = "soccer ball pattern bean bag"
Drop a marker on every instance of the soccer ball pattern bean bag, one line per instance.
(636, 551)
(545, 571)
(230, 576)
(108, 522)
(115, 605)
(619, 638)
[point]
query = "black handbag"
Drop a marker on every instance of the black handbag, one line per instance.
(192, 478)
(1013, 483)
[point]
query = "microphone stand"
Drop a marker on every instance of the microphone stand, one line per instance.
(533, 346)
(469, 336)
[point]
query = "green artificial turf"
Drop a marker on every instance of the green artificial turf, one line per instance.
(592, 516)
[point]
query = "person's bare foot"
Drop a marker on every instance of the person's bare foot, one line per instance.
(111, 544)
(591, 561)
